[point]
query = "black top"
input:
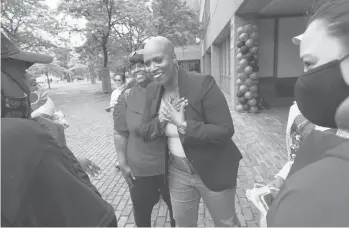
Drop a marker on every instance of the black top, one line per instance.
(40, 185)
(316, 192)
(144, 158)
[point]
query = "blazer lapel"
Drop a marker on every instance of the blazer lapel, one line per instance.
(183, 83)
(157, 100)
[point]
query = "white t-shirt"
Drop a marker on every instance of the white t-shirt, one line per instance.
(115, 95)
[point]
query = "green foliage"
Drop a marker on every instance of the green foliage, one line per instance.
(175, 20)
(30, 24)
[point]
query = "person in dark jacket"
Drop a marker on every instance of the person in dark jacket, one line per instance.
(42, 183)
(316, 191)
(197, 139)
(141, 163)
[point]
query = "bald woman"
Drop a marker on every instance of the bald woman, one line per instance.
(202, 160)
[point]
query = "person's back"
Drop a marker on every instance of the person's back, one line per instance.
(39, 183)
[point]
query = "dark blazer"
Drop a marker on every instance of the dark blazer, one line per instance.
(208, 141)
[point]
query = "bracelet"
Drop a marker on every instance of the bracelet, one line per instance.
(181, 128)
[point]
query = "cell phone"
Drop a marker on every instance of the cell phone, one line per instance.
(266, 200)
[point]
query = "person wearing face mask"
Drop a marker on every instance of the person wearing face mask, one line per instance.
(197, 138)
(316, 192)
(42, 183)
(142, 164)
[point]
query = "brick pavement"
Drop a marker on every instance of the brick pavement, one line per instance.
(260, 137)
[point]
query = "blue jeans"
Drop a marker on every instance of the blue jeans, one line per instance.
(187, 188)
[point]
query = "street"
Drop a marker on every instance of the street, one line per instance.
(260, 137)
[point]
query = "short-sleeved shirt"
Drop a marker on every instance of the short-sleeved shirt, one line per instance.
(40, 185)
(144, 158)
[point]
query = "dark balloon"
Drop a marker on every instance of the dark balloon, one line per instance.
(239, 94)
(253, 63)
(255, 68)
(243, 76)
(242, 100)
(240, 44)
(249, 56)
(244, 50)
(246, 107)
(248, 82)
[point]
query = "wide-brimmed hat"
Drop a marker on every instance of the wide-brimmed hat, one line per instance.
(10, 50)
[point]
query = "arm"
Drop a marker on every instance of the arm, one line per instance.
(120, 143)
(74, 204)
(218, 126)
(120, 127)
(150, 130)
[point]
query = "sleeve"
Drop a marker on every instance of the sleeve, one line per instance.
(112, 98)
(56, 197)
(150, 130)
(119, 115)
(218, 127)
(307, 207)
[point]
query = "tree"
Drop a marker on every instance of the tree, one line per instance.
(175, 20)
(101, 16)
(134, 26)
(30, 24)
(115, 28)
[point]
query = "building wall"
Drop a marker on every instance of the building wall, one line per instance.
(221, 11)
(190, 52)
(289, 63)
(285, 52)
(266, 30)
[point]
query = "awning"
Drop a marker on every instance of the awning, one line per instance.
(274, 8)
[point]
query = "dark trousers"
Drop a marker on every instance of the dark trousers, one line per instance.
(145, 194)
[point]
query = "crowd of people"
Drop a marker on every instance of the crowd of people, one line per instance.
(173, 139)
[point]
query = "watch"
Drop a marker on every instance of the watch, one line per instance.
(181, 128)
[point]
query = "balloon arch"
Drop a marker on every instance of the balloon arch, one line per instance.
(247, 68)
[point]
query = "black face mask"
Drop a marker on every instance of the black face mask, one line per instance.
(320, 91)
(15, 107)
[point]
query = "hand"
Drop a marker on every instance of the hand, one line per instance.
(127, 173)
(108, 109)
(276, 183)
(172, 115)
(177, 103)
(89, 166)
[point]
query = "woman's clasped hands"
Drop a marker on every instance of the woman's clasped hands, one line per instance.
(174, 113)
